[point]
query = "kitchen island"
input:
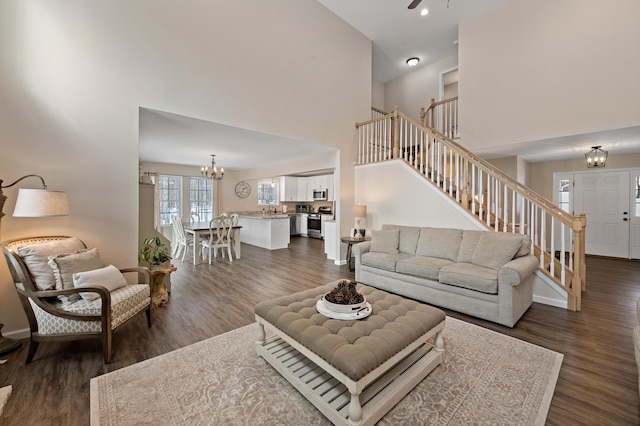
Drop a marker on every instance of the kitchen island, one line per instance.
(269, 231)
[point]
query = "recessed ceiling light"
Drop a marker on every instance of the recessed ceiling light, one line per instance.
(424, 12)
(412, 62)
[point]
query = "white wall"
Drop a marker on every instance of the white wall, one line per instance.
(394, 193)
(415, 90)
(74, 74)
(533, 70)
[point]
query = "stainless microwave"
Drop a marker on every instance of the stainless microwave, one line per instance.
(319, 195)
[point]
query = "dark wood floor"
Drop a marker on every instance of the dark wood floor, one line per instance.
(598, 383)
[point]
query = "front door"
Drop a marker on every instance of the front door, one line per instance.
(604, 198)
(634, 215)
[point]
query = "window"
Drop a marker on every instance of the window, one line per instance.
(169, 194)
(200, 198)
(267, 194)
(564, 194)
(637, 197)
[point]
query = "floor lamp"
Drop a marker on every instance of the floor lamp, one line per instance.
(31, 203)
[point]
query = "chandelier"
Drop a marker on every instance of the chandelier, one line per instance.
(596, 157)
(213, 172)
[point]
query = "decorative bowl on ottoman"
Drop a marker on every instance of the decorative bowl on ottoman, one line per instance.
(344, 302)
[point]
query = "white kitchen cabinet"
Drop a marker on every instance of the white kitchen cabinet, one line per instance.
(330, 240)
(323, 220)
(303, 189)
(288, 188)
(304, 225)
(330, 186)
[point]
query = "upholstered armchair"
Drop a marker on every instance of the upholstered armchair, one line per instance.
(68, 293)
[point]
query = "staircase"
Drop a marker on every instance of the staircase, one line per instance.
(493, 198)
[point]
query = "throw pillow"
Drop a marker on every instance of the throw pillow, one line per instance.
(36, 257)
(109, 277)
(494, 250)
(65, 265)
(442, 243)
(385, 241)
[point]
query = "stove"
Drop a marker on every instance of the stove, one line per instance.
(314, 221)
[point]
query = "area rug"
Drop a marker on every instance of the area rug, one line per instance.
(486, 378)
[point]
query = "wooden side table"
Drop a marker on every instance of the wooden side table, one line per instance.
(350, 241)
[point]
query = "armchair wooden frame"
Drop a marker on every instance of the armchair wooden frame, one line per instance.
(46, 300)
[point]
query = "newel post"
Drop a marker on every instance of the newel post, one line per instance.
(395, 132)
(432, 111)
(579, 284)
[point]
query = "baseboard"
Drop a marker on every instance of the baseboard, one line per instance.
(551, 302)
(340, 262)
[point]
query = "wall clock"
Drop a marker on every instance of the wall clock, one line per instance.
(243, 189)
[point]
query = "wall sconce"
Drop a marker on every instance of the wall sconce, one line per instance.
(359, 211)
(31, 203)
(596, 157)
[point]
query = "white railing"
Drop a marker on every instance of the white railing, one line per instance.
(496, 199)
(442, 116)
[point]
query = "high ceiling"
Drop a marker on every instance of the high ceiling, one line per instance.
(399, 33)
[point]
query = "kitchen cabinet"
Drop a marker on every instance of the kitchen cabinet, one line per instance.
(288, 188)
(303, 189)
(323, 220)
(303, 224)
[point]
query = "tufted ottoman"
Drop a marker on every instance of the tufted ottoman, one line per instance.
(352, 371)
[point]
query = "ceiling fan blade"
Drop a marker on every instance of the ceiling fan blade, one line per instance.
(414, 4)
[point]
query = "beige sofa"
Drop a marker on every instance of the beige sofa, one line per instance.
(485, 274)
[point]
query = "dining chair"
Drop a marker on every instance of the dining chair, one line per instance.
(181, 241)
(220, 230)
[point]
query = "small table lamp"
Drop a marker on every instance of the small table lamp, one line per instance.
(32, 203)
(359, 212)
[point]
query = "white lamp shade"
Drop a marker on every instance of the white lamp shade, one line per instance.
(41, 203)
(359, 211)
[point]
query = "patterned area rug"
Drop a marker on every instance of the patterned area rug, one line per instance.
(486, 378)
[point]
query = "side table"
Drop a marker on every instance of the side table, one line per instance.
(350, 241)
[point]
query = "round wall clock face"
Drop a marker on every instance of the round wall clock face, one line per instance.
(243, 189)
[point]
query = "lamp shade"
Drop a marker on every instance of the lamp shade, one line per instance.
(41, 203)
(359, 211)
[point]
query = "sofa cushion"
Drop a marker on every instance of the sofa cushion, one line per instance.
(36, 257)
(421, 266)
(470, 276)
(385, 241)
(525, 247)
(495, 250)
(408, 238)
(439, 242)
(468, 245)
(383, 260)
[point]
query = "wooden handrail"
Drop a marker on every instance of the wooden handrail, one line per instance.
(509, 205)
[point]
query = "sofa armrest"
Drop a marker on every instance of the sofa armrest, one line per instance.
(517, 269)
(358, 250)
(361, 248)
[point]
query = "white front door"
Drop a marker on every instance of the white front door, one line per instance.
(634, 215)
(604, 197)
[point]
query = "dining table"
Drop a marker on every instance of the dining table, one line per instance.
(201, 228)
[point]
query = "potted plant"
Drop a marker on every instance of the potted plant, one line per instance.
(156, 254)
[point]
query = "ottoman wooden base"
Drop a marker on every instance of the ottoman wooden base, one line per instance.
(343, 399)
